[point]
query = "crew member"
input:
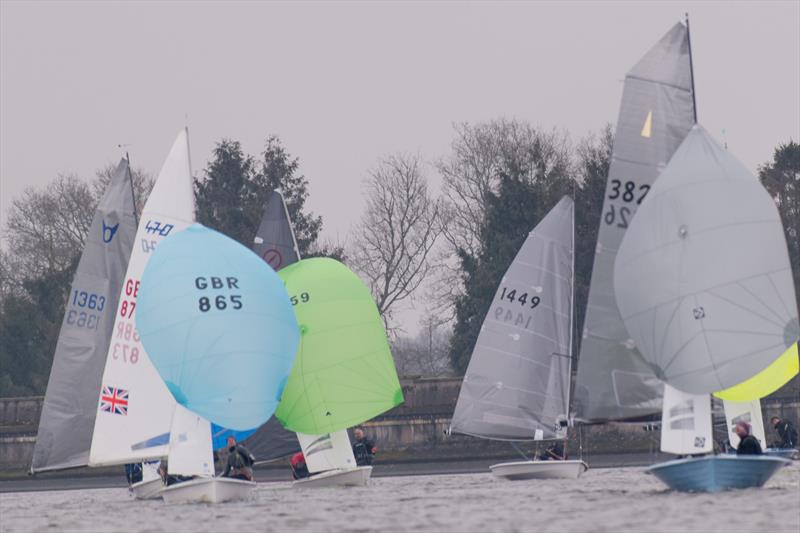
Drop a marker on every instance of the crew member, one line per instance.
(240, 461)
(748, 445)
(363, 448)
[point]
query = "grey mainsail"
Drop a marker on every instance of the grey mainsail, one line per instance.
(274, 243)
(702, 278)
(70, 404)
(656, 113)
(517, 383)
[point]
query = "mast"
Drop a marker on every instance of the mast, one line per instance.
(691, 67)
(133, 192)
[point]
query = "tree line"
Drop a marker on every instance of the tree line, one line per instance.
(442, 252)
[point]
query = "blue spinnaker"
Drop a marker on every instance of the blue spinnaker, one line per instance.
(219, 436)
(218, 326)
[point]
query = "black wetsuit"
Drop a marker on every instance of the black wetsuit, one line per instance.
(749, 445)
(133, 473)
(554, 452)
(787, 433)
(363, 451)
(240, 463)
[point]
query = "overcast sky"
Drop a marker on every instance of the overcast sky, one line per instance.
(344, 83)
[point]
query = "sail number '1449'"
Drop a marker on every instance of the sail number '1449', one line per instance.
(511, 313)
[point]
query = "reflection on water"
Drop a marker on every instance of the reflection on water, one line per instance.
(610, 500)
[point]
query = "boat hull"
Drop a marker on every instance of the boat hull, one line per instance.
(521, 470)
(786, 453)
(208, 490)
(717, 473)
(147, 490)
(351, 477)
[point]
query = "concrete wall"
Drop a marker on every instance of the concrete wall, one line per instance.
(414, 429)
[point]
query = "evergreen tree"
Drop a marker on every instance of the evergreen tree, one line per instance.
(781, 177)
(280, 171)
(228, 199)
(594, 157)
(525, 195)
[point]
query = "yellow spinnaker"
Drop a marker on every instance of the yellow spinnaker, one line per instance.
(767, 381)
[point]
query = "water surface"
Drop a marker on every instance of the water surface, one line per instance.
(602, 500)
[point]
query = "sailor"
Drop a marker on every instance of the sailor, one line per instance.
(554, 452)
(299, 467)
(170, 479)
(786, 431)
(363, 448)
(748, 445)
(240, 461)
(133, 473)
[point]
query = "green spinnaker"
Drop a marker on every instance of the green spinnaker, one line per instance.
(344, 373)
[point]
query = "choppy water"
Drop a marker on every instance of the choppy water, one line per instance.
(610, 500)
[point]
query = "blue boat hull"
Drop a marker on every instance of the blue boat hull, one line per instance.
(718, 472)
(786, 453)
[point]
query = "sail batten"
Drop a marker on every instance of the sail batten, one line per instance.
(69, 410)
(656, 114)
(500, 398)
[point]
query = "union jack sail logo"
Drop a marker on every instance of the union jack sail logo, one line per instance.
(114, 401)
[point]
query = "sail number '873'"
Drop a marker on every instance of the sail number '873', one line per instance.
(627, 193)
(220, 302)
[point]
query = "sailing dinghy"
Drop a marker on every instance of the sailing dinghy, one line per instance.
(70, 404)
(329, 458)
(134, 408)
(518, 380)
(344, 374)
(220, 330)
(706, 312)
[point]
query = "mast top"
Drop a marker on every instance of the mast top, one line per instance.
(691, 66)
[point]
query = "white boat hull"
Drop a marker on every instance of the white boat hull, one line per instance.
(147, 490)
(520, 470)
(208, 490)
(351, 477)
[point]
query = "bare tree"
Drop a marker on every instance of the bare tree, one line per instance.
(427, 354)
(479, 154)
(46, 228)
(398, 230)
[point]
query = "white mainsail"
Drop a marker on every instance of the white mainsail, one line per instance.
(686, 423)
(135, 408)
(327, 452)
(749, 412)
(190, 452)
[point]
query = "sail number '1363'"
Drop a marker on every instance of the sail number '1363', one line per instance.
(626, 192)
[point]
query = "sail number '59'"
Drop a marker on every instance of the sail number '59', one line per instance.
(220, 302)
(304, 297)
(627, 193)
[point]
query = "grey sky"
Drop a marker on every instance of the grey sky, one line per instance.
(345, 83)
